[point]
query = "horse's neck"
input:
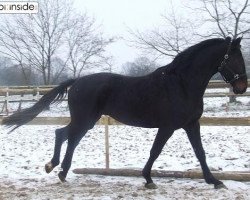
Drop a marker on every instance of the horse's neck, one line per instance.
(201, 71)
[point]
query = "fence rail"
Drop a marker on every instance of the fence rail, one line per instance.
(43, 89)
(105, 120)
(35, 92)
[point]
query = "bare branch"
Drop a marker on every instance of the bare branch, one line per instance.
(164, 42)
(85, 44)
(229, 17)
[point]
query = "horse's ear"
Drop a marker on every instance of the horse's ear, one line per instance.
(236, 42)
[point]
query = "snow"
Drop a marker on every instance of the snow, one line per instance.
(25, 152)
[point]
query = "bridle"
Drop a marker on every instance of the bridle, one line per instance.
(223, 66)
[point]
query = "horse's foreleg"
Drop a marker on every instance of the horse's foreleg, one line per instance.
(61, 136)
(193, 132)
(161, 138)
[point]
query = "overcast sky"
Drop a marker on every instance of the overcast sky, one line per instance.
(117, 15)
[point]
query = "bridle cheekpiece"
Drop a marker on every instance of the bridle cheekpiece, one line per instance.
(223, 66)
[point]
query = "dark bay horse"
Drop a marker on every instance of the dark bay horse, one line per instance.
(169, 98)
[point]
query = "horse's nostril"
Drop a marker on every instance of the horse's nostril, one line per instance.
(239, 90)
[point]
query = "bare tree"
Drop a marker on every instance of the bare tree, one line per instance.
(139, 67)
(220, 18)
(10, 48)
(57, 31)
(33, 40)
(170, 40)
(224, 17)
(86, 45)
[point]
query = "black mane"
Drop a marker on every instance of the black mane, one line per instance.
(184, 59)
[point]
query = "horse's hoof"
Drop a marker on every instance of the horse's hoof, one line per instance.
(220, 186)
(61, 177)
(49, 167)
(151, 186)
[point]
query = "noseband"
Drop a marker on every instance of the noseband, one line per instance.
(223, 67)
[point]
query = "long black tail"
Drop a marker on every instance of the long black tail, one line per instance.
(20, 118)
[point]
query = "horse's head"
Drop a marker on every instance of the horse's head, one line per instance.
(232, 67)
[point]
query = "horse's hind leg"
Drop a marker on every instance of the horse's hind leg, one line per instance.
(160, 140)
(61, 135)
(76, 132)
(193, 132)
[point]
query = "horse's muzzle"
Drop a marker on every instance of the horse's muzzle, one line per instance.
(240, 86)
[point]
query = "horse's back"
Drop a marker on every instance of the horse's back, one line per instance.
(101, 86)
(97, 88)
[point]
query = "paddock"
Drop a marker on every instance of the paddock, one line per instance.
(22, 161)
(23, 176)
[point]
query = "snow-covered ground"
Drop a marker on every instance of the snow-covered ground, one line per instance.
(25, 151)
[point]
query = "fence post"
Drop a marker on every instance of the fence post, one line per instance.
(37, 94)
(107, 141)
(7, 101)
(20, 103)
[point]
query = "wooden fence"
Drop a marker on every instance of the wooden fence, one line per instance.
(106, 120)
(34, 93)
